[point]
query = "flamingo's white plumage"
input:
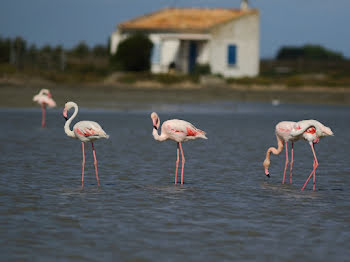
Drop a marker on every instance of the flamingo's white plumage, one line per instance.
(282, 131)
(44, 99)
(309, 130)
(178, 131)
(85, 131)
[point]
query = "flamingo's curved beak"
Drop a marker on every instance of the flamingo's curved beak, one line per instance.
(49, 95)
(65, 114)
(155, 123)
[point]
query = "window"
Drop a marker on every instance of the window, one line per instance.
(231, 55)
(155, 56)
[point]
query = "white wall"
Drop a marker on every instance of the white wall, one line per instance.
(156, 67)
(114, 41)
(244, 33)
(203, 52)
(169, 53)
(182, 59)
(172, 49)
(169, 48)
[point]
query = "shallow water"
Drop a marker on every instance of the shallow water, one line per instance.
(226, 210)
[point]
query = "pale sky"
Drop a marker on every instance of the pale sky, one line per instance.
(67, 22)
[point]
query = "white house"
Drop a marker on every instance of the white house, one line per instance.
(225, 39)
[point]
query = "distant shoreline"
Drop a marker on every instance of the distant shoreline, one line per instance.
(18, 92)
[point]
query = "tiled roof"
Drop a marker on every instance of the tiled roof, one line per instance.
(184, 19)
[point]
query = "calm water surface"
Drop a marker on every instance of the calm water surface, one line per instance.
(226, 210)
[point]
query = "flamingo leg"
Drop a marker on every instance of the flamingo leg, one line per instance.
(286, 164)
(291, 163)
(313, 172)
(83, 164)
(183, 164)
(95, 163)
(314, 177)
(177, 163)
(43, 115)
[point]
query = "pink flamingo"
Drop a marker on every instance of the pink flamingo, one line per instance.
(85, 131)
(282, 131)
(179, 131)
(310, 130)
(44, 98)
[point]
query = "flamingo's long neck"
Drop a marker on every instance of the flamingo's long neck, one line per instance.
(69, 121)
(274, 151)
(161, 137)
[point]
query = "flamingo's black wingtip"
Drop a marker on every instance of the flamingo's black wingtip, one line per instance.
(268, 175)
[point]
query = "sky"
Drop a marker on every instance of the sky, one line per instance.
(68, 22)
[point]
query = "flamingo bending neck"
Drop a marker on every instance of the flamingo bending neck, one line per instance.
(161, 137)
(67, 129)
(275, 151)
(156, 125)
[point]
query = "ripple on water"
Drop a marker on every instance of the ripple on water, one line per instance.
(225, 211)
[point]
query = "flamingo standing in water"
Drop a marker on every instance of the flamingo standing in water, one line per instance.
(179, 131)
(309, 130)
(282, 131)
(85, 131)
(44, 98)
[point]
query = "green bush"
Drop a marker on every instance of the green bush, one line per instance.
(308, 52)
(133, 54)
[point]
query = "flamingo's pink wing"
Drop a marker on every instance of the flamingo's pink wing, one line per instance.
(89, 128)
(48, 101)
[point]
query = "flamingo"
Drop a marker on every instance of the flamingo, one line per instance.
(178, 131)
(282, 131)
(310, 130)
(85, 131)
(44, 98)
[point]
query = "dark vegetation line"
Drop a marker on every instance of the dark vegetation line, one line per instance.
(293, 66)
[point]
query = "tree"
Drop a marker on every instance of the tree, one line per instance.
(45, 56)
(32, 54)
(58, 57)
(100, 51)
(81, 50)
(133, 53)
(308, 52)
(5, 49)
(19, 46)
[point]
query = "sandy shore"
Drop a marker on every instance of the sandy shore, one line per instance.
(18, 92)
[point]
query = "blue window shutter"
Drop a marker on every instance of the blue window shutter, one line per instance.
(232, 54)
(155, 57)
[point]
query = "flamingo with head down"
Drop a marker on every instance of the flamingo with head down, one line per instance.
(309, 130)
(44, 98)
(178, 131)
(283, 136)
(85, 131)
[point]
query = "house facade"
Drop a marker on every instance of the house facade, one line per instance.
(225, 39)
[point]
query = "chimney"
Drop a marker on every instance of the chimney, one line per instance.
(244, 5)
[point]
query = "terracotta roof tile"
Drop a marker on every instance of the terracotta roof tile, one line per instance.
(184, 19)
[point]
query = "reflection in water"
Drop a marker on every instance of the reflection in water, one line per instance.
(226, 210)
